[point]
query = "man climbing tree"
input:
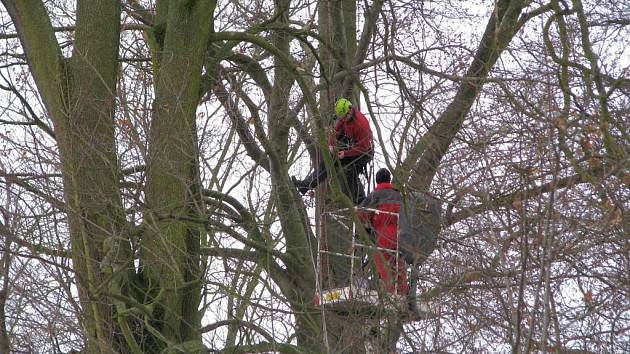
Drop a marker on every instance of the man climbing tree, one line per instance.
(387, 200)
(351, 143)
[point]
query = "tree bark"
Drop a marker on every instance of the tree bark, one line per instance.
(175, 212)
(337, 27)
(79, 96)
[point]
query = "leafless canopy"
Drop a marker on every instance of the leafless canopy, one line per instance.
(146, 149)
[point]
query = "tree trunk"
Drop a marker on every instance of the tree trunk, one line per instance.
(5, 263)
(79, 96)
(337, 26)
(175, 213)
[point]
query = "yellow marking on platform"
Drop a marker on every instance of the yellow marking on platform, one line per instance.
(335, 295)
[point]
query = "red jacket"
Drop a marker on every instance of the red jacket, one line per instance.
(356, 129)
(383, 198)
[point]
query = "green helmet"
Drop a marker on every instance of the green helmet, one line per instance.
(342, 107)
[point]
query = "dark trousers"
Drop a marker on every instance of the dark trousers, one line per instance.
(352, 167)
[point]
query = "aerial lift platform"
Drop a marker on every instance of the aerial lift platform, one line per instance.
(363, 294)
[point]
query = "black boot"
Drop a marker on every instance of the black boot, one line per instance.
(302, 186)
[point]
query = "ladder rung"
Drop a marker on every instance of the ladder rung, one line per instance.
(338, 254)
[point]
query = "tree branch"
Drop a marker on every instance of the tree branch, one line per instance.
(261, 348)
(240, 125)
(507, 200)
(12, 178)
(40, 45)
(255, 71)
(35, 119)
(277, 273)
(424, 158)
(250, 325)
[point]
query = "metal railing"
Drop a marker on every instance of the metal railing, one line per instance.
(338, 216)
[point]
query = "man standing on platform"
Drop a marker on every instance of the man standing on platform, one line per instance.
(385, 202)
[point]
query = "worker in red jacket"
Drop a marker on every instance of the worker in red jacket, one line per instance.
(351, 143)
(392, 270)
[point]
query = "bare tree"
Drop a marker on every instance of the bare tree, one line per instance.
(148, 148)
